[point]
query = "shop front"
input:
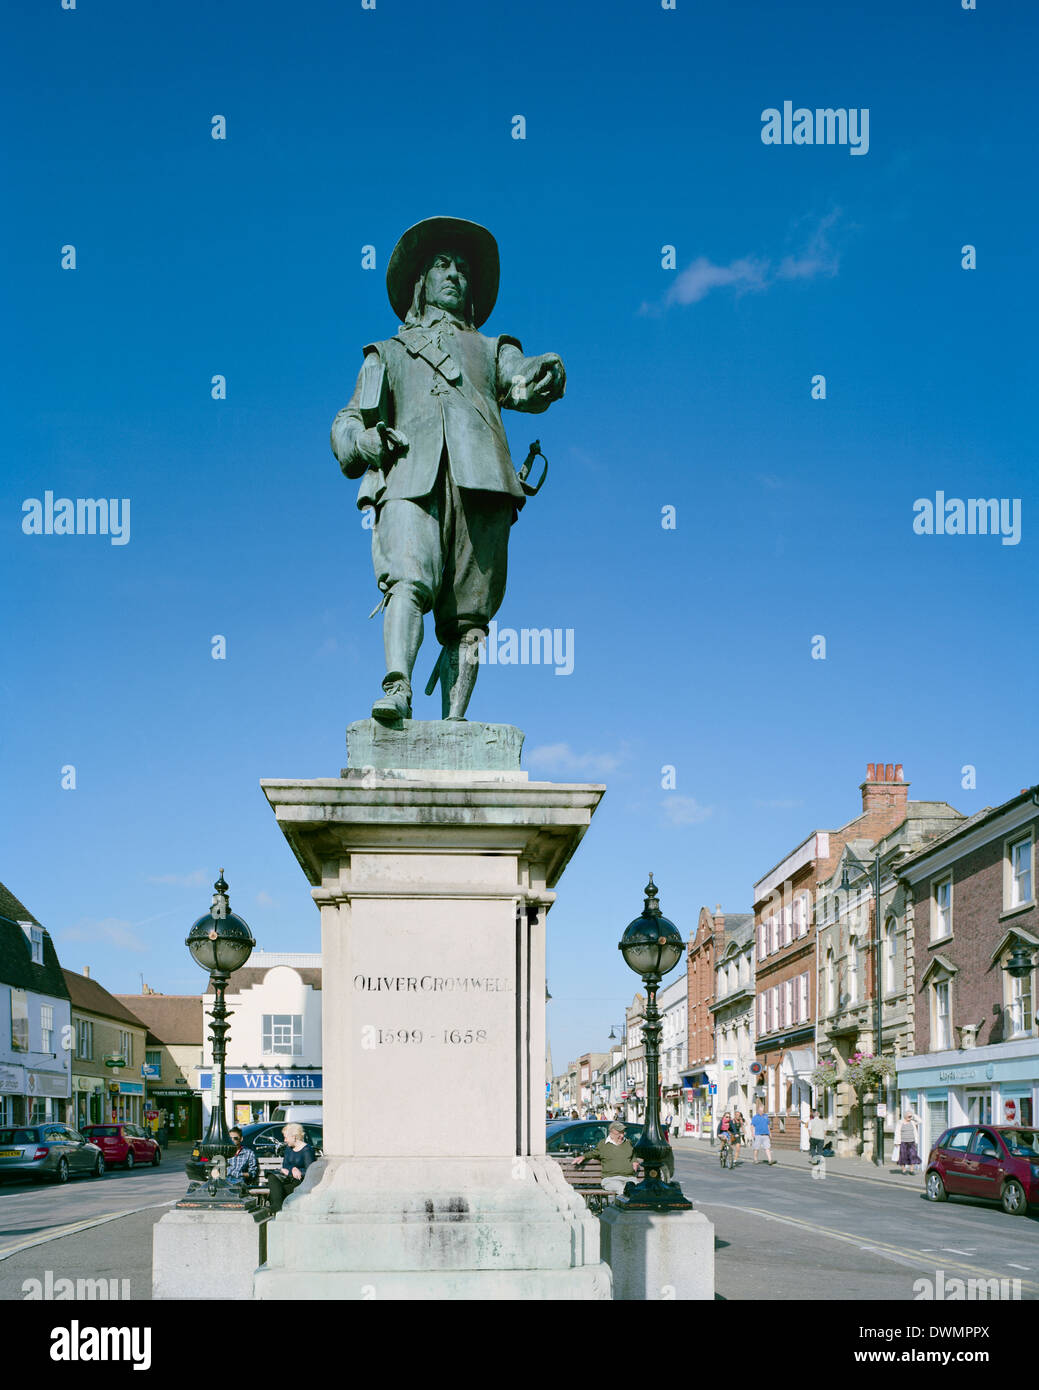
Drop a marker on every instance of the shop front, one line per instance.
(88, 1094)
(700, 1091)
(180, 1111)
(254, 1095)
(47, 1095)
(126, 1102)
(996, 1085)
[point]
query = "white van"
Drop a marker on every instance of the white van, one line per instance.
(298, 1114)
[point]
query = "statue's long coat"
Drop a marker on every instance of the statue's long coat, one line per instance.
(438, 395)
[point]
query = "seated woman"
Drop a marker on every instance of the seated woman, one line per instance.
(296, 1158)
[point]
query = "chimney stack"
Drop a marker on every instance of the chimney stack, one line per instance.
(885, 794)
(86, 971)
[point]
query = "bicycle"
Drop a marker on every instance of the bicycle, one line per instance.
(725, 1154)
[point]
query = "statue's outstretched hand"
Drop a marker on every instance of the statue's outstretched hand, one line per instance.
(535, 390)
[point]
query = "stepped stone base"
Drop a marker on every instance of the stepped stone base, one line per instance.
(434, 1229)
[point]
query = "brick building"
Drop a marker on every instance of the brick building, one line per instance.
(786, 969)
(972, 900)
(706, 947)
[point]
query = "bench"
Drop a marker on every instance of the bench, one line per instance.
(587, 1180)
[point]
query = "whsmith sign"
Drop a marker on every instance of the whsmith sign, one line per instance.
(265, 1081)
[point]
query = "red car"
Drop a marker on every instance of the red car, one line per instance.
(124, 1143)
(998, 1162)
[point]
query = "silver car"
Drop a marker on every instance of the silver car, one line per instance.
(48, 1150)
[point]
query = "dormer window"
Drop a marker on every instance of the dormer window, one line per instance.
(34, 937)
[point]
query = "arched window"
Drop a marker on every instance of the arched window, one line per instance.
(890, 955)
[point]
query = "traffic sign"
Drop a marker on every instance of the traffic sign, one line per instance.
(755, 1067)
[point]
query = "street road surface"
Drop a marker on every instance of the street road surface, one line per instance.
(30, 1210)
(780, 1234)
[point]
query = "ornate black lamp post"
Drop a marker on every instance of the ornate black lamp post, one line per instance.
(652, 946)
(221, 943)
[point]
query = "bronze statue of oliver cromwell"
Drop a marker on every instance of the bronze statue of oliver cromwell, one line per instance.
(423, 431)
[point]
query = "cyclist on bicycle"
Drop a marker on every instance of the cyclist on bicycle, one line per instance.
(726, 1129)
(738, 1124)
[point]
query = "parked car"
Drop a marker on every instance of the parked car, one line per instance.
(48, 1151)
(999, 1163)
(124, 1143)
(578, 1136)
(264, 1138)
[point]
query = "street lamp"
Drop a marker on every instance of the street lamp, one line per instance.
(652, 946)
(1019, 963)
(221, 943)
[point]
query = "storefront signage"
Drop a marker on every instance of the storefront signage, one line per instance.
(958, 1074)
(150, 1071)
(48, 1083)
(131, 1088)
(266, 1081)
(12, 1079)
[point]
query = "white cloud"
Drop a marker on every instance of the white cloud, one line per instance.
(560, 757)
(685, 810)
(699, 279)
(752, 273)
(113, 931)
(193, 880)
(264, 899)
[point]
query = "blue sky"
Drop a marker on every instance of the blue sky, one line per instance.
(687, 388)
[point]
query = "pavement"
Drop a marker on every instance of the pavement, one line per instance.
(795, 1158)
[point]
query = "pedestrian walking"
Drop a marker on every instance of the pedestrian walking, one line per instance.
(761, 1125)
(296, 1158)
(816, 1135)
(907, 1136)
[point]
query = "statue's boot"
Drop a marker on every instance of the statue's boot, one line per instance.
(402, 637)
(395, 704)
(460, 665)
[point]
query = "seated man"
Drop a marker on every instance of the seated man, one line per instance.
(619, 1166)
(243, 1166)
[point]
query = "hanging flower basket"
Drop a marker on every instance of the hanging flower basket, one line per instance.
(825, 1078)
(868, 1073)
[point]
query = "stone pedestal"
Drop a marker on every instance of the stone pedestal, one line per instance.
(433, 886)
(658, 1255)
(206, 1254)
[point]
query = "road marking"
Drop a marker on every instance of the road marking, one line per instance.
(76, 1226)
(901, 1254)
(949, 1250)
(1011, 1265)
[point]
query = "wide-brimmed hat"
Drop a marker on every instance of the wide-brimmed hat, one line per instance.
(431, 237)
